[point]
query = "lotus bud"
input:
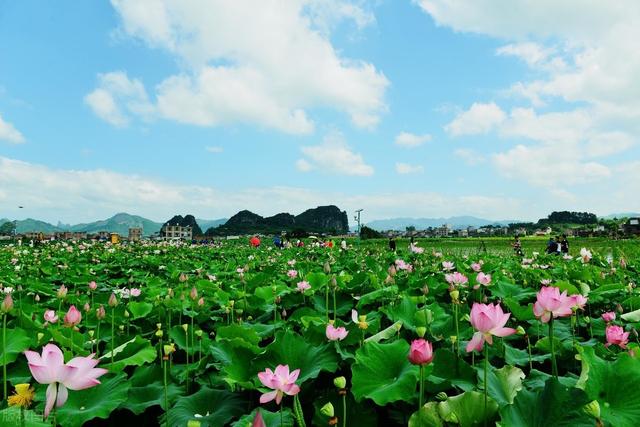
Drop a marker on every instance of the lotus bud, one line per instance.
(37, 298)
(593, 409)
(100, 312)
(392, 270)
(86, 307)
(126, 314)
(421, 330)
(7, 304)
(93, 286)
(327, 410)
(62, 291)
(425, 290)
(183, 277)
(340, 382)
(194, 293)
(170, 293)
(442, 396)
(326, 267)
(113, 301)
(334, 282)
(201, 302)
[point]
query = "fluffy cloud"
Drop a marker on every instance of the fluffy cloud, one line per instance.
(265, 68)
(9, 133)
(410, 140)
(584, 62)
(406, 168)
(470, 157)
(480, 118)
(115, 93)
(87, 195)
(333, 156)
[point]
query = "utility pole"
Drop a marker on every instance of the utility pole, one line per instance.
(357, 218)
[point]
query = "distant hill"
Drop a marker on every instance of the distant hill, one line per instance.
(323, 219)
(622, 215)
(206, 224)
(185, 221)
(457, 222)
(29, 224)
(119, 223)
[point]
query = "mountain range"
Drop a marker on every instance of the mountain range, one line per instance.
(119, 223)
(456, 222)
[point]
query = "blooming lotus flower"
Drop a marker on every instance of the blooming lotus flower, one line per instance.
(49, 368)
(609, 316)
(303, 286)
(545, 282)
(360, 320)
(579, 301)
(50, 316)
(476, 267)
(447, 265)
(291, 262)
(73, 317)
(616, 336)
(437, 254)
(415, 248)
(421, 352)
(281, 382)
(456, 278)
(135, 292)
(292, 274)
(482, 279)
(401, 265)
(336, 334)
(585, 255)
(62, 291)
(550, 302)
(488, 320)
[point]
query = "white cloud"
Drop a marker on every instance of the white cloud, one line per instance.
(214, 149)
(117, 98)
(480, 118)
(259, 62)
(410, 140)
(470, 157)
(88, 195)
(334, 156)
(406, 168)
(9, 133)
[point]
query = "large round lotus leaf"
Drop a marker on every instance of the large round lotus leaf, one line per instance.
(427, 416)
(95, 402)
(17, 342)
(614, 385)
(135, 352)
(213, 408)
(556, 405)
(468, 409)
(504, 383)
(383, 373)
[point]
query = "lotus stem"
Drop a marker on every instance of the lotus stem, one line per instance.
(486, 384)
(554, 366)
(421, 387)
(113, 331)
(4, 357)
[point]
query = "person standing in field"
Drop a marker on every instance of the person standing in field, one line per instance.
(517, 246)
(392, 244)
(564, 245)
(552, 246)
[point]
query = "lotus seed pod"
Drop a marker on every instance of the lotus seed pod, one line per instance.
(442, 396)
(328, 410)
(593, 409)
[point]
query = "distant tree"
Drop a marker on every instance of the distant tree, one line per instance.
(369, 233)
(566, 217)
(8, 228)
(410, 229)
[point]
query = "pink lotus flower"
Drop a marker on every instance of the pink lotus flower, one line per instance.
(579, 301)
(292, 274)
(100, 312)
(545, 282)
(488, 320)
(617, 336)
(291, 262)
(86, 307)
(421, 352)
(50, 316)
(550, 302)
(201, 302)
(609, 316)
(49, 368)
(7, 303)
(193, 294)
(93, 285)
(258, 421)
(456, 278)
(281, 382)
(482, 279)
(585, 255)
(336, 334)
(73, 317)
(415, 248)
(303, 286)
(135, 292)
(437, 254)
(447, 265)
(401, 265)
(476, 267)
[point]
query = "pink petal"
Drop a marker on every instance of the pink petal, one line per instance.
(293, 390)
(503, 332)
(268, 397)
(63, 394)
(475, 343)
(51, 398)
(354, 316)
(41, 374)
(293, 376)
(278, 397)
(546, 316)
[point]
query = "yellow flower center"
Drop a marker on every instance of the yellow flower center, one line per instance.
(22, 397)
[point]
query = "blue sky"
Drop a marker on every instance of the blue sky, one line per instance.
(403, 108)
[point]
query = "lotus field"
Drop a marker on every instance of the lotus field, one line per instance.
(233, 335)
